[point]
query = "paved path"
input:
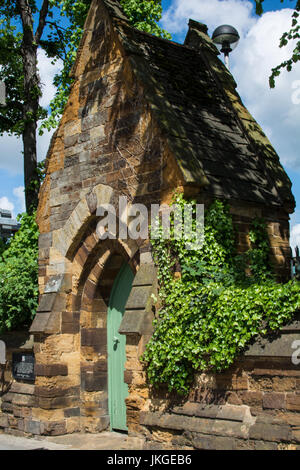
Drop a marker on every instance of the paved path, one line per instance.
(78, 441)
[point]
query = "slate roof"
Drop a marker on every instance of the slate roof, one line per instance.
(217, 143)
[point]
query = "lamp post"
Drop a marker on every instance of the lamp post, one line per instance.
(2, 94)
(226, 39)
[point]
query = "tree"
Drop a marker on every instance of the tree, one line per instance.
(142, 14)
(19, 276)
(19, 44)
(292, 34)
(56, 26)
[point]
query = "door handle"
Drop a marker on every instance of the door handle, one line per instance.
(116, 340)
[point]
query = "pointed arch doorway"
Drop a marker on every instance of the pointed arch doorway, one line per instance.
(116, 343)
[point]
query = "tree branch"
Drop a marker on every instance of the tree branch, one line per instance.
(42, 20)
(27, 21)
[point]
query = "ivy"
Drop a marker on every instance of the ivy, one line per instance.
(221, 302)
(19, 276)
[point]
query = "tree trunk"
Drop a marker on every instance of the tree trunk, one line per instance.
(31, 98)
(31, 104)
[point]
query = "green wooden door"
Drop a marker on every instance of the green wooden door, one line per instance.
(117, 389)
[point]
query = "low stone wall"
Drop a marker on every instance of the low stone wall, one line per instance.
(16, 398)
(255, 405)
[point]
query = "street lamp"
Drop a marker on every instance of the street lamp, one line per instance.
(226, 39)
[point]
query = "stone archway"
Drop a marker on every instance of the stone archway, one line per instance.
(70, 327)
(94, 293)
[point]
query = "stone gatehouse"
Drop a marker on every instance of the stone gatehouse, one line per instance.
(147, 116)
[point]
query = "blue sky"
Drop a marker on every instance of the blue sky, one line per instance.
(251, 63)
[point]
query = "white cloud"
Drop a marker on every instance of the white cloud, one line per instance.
(11, 158)
(11, 147)
(19, 194)
(47, 72)
(6, 204)
(211, 12)
(251, 64)
(274, 109)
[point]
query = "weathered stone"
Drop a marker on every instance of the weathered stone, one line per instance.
(51, 370)
(193, 424)
(71, 412)
(53, 392)
(269, 432)
(45, 240)
(7, 407)
(227, 412)
(274, 401)
(139, 298)
(93, 120)
(46, 303)
(54, 428)
(57, 402)
(23, 400)
(32, 427)
(102, 423)
(22, 388)
(3, 421)
(40, 322)
(132, 322)
(94, 337)
(293, 402)
(204, 442)
(280, 347)
(70, 322)
(145, 276)
(95, 381)
(59, 283)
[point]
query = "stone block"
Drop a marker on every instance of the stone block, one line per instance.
(51, 370)
(40, 322)
(22, 388)
(23, 400)
(293, 402)
(95, 381)
(32, 427)
(7, 407)
(251, 398)
(45, 240)
(139, 297)
(261, 431)
(203, 442)
(132, 322)
(94, 337)
(54, 428)
(54, 392)
(72, 412)
(279, 347)
(46, 303)
(3, 421)
(59, 283)
(57, 402)
(102, 423)
(145, 276)
(274, 401)
(93, 120)
(227, 412)
(70, 322)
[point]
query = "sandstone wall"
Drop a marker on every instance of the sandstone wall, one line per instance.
(255, 405)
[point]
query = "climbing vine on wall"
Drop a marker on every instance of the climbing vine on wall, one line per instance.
(220, 302)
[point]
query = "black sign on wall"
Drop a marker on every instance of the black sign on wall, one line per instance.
(23, 366)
